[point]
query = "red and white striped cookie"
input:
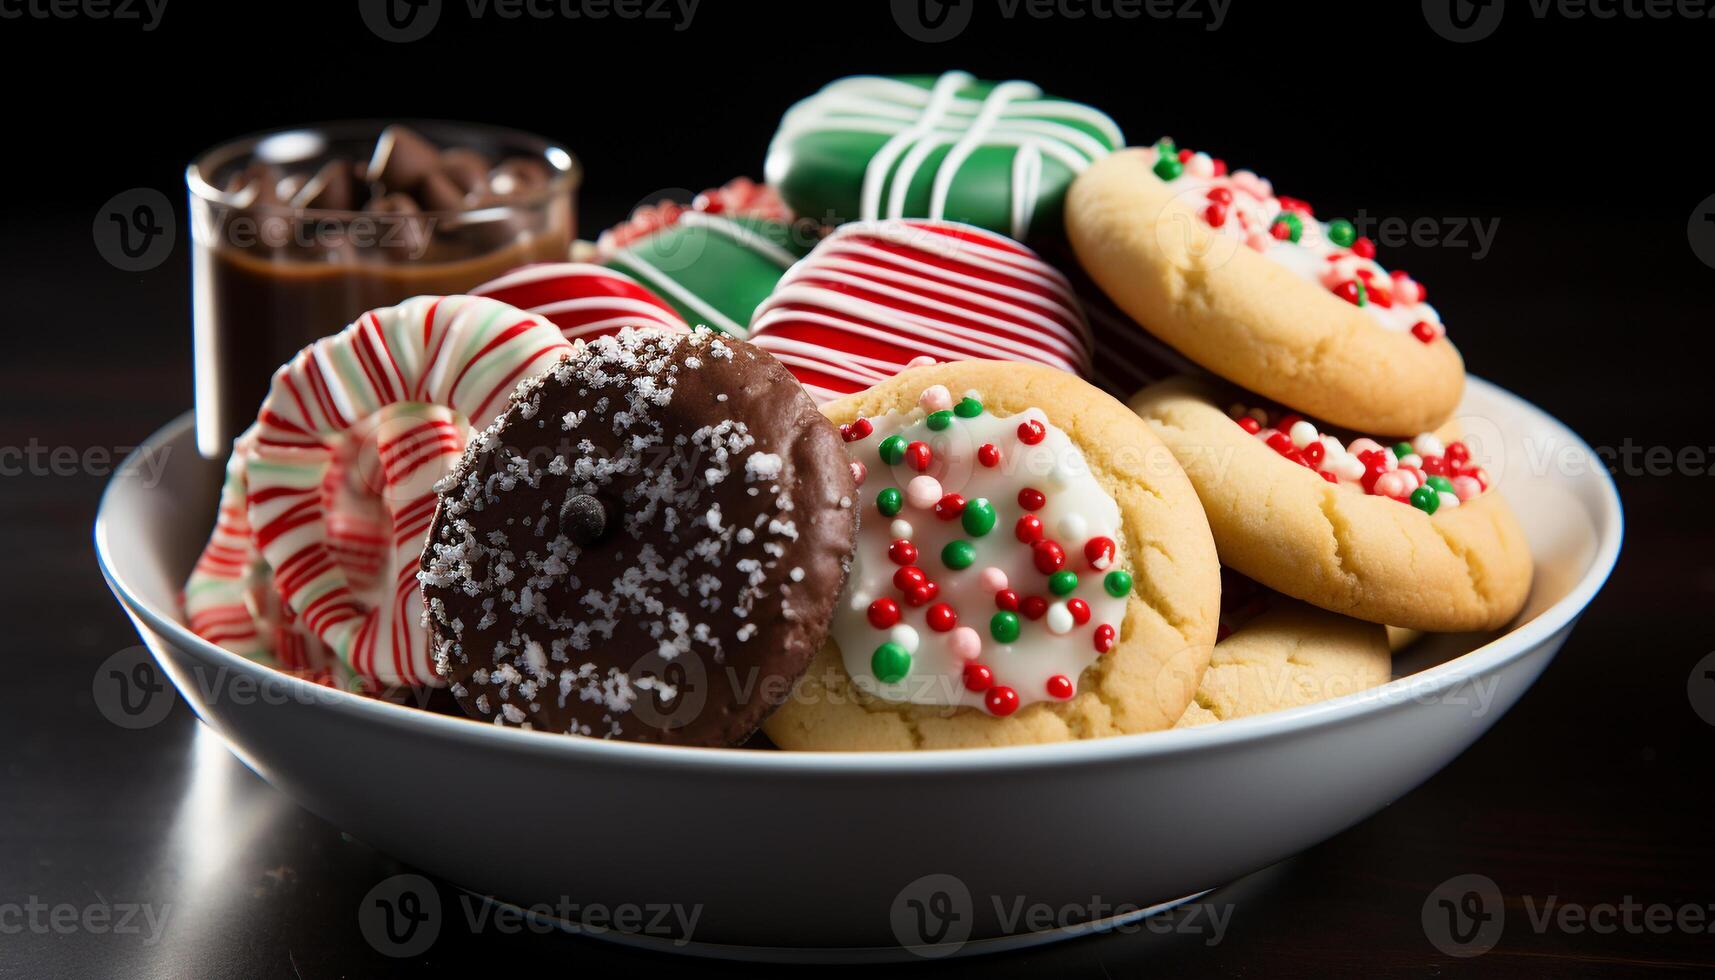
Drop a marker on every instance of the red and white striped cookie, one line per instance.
(585, 301)
(877, 295)
(424, 372)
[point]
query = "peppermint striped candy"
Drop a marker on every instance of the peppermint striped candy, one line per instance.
(877, 295)
(230, 599)
(424, 372)
(586, 301)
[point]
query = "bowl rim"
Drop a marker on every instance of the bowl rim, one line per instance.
(1496, 653)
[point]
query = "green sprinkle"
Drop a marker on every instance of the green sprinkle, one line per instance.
(939, 420)
(1003, 626)
(1425, 498)
(1440, 483)
(890, 663)
(1342, 233)
(1117, 582)
(889, 501)
(958, 554)
(1294, 226)
(968, 408)
(892, 450)
(1168, 167)
(1063, 582)
(978, 517)
(1166, 147)
(1402, 449)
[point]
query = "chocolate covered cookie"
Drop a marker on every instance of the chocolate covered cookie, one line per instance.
(646, 545)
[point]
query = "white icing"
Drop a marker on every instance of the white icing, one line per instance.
(1047, 647)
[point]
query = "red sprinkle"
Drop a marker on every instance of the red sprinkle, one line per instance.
(1315, 452)
(1104, 638)
(977, 677)
(1028, 529)
(1363, 248)
(1031, 498)
(908, 578)
(941, 617)
(1423, 331)
(1221, 195)
(1458, 452)
(1220, 167)
(1215, 214)
(1001, 701)
(902, 552)
(1099, 552)
(854, 431)
(1280, 442)
(1033, 607)
(883, 613)
(918, 456)
(1294, 204)
(1060, 687)
(922, 595)
(988, 455)
(1048, 556)
(1348, 291)
(1031, 432)
(949, 507)
(1250, 424)
(1006, 600)
(1079, 609)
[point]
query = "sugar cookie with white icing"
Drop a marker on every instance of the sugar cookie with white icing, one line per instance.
(1032, 566)
(1254, 288)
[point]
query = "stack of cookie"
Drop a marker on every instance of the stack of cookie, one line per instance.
(1324, 449)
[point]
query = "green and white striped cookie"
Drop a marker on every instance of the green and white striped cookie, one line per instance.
(999, 155)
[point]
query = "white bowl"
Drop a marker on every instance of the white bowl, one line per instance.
(825, 856)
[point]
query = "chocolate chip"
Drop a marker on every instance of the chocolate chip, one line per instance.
(333, 188)
(465, 167)
(439, 193)
(402, 159)
(584, 519)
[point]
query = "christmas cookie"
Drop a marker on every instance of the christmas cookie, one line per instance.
(584, 300)
(1253, 287)
(999, 155)
(1277, 653)
(645, 546)
(1032, 566)
(876, 296)
(713, 261)
(415, 378)
(1408, 533)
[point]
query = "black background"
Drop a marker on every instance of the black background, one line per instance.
(1584, 139)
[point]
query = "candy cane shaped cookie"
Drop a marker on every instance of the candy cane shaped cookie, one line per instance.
(585, 301)
(425, 371)
(877, 295)
(214, 597)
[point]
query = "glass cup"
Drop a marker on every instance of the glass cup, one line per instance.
(269, 278)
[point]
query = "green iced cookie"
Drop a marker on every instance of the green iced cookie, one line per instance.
(712, 268)
(995, 154)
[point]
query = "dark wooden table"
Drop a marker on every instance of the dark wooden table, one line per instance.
(1592, 794)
